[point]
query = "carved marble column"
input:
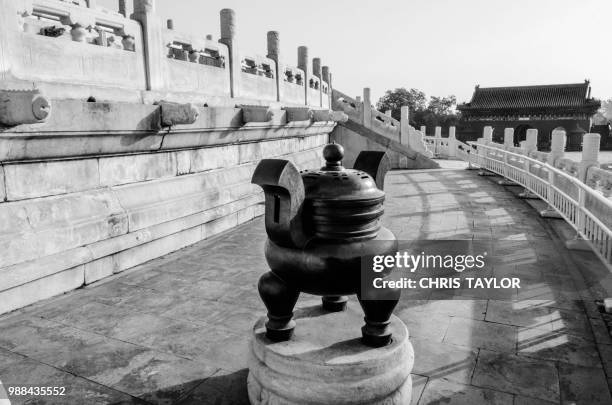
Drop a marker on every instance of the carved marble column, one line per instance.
(531, 142)
(487, 134)
(316, 71)
(303, 64)
(228, 35)
(274, 54)
(452, 142)
(367, 108)
(144, 12)
(530, 145)
(326, 76)
(557, 149)
(590, 154)
(508, 137)
(558, 140)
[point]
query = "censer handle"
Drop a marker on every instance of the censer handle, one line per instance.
(284, 192)
(376, 164)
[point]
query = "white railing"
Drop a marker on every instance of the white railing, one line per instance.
(583, 204)
(437, 145)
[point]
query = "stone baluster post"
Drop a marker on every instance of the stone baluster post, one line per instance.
(530, 145)
(358, 99)
(557, 146)
(487, 134)
(304, 65)
(557, 149)
(273, 40)
(367, 108)
(508, 143)
(405, 126)
(327, 79)
(590, 154)
(452, 142)
(228, 35)
(508, 137)
(531, 141)
(144, 13)
(424, 130)
(590, 157)
(388, 113)
(317, 72)
(437, 141)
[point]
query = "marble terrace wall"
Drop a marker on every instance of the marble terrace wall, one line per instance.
(123, 139)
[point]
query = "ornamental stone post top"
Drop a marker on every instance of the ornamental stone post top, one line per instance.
(316, 67)
(557, 141)
(273, 42)
(228, 24)
(487, 133)
(590, 147)
(303, 58)
(508, 137)
(325, 74)
(531, 143)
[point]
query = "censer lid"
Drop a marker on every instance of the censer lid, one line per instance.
(334, 182)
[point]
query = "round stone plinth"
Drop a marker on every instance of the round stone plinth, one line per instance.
(325, 362)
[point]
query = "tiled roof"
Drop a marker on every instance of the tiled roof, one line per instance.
(547, 96)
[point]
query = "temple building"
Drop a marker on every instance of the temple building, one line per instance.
(545, 108)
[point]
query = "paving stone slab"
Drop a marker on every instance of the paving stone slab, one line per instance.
(441, 391)
(162, 330)
(16, 370)
(542, 344)
(517, 375)
(223, 388)
(583, 385)
(519, 314)
(481, 334)
(441, 360)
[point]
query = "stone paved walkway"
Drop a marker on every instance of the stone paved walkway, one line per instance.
(175, 330)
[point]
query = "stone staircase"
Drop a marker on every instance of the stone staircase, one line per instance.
(368, 129)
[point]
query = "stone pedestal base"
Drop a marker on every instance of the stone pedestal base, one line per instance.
(578, 244)
(505, 182)
(528, 195)
(326, 363)
(550, 213)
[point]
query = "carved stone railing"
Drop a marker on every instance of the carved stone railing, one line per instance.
(579, 192)
(437, 145)
(69, 50)
(363, 113)
(600, 180)
(194, 64)
(80, 51)
(72, 20)
(292, 84)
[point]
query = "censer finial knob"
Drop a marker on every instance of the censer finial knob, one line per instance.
(333, 154)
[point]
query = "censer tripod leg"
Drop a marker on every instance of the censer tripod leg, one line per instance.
(376, 332)
(280, 299)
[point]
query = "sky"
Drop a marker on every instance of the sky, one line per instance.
(441, 47)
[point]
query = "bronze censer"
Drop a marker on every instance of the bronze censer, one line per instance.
(320, 223)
